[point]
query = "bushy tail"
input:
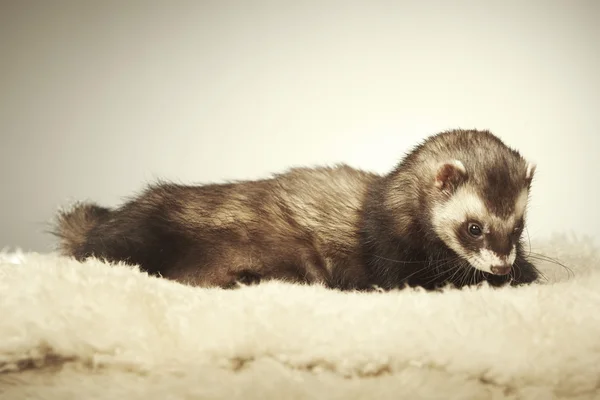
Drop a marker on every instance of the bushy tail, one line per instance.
(72, 225)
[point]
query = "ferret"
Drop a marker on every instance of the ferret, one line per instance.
(451, 213)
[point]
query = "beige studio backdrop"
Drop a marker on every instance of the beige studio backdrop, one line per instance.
(99, 97)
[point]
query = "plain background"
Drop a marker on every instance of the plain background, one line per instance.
(99, 98)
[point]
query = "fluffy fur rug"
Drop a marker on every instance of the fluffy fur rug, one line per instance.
(72, 330)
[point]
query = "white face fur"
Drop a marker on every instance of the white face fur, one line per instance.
(465, 225)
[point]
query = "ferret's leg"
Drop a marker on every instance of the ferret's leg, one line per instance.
(524, 271)
(229, 265)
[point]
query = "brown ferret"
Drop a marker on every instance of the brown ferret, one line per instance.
(451, 212)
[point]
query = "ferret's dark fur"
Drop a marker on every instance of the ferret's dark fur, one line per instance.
(337, 226)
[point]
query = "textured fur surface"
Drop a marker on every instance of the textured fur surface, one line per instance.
(71, 330)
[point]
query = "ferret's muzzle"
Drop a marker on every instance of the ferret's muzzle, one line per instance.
(501, 269)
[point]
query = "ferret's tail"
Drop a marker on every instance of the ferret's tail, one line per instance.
(73, 225)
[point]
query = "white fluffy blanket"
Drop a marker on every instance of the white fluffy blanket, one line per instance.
(92, 331)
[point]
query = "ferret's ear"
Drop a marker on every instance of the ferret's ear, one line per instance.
(530, 172)
(449, 175)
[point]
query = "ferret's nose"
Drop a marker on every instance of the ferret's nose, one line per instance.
(500, 269)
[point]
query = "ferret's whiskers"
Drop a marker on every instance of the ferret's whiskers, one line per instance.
(454, 268)
(408, 261)
(458, 269)
(542, 257)
(513, 272)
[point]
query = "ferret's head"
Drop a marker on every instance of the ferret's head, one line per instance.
(480, 207)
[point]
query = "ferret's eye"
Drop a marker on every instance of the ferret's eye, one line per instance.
(475, 230)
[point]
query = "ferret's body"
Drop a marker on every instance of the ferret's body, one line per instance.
(336, 226)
